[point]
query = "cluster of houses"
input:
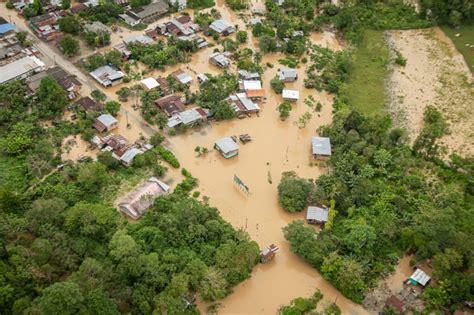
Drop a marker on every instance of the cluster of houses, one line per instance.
(118, 145)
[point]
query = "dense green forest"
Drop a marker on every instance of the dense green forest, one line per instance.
(64, 248)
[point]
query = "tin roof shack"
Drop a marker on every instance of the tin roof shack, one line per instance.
(107, 76)
(290, 95)
(220, 60)
(20, 69)
(227, 147)
(170, 104)
(202, 78)
(395, 303)
(123, 49)
(89, 105)
(142, 198)
(180, 26)
(127, 157)
(222, 27)
(105, 123)
(182, 77)
(317, 215)
(153, 34)
(151, 12)
(288, 75)
(243, 105)
(268, 253)
(164, 85)
(419, 277)
(149, 84)
(78, 8)
(190, 117)
(321, 147)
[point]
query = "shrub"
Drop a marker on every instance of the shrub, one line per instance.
(168, 156)
(293, 192)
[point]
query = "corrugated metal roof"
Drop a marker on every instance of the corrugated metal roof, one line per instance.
(107, 120)
(321, 146)
(227, 145)
(317, 213)
(420, 277)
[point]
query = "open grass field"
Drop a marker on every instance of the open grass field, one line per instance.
(365, 88)
(466, 38)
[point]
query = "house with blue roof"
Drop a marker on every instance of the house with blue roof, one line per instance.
(5, 27)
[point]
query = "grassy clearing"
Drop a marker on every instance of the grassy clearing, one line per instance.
(365, 89)
(466, 38)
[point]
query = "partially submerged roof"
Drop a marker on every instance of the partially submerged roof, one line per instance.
(287, 73)
(187, 117)
(420, 277)
(142, 197)
(227, 145)
(182, 76)
(321, 146)
(129, 155)
(316, 213)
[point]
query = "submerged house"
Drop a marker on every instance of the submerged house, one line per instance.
(149, 84)
(227, 147)
(190, 117)
(142, 198)
(150, 12)
(321, 147)
(242, 104)
(220, 60)
(182, 77)
(87, 104)
(317, 215)
(290, 95)
(105, 123)
(20, 69)
(253, 89)
(288, 75)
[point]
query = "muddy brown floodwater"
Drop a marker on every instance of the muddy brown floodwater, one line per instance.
(277, 146)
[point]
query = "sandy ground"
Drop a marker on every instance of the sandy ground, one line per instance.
(435, 74)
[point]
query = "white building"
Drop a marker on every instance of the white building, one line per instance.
(142, 39)
(20, 69)
(188, 117)
(290, 95)
(149, 84)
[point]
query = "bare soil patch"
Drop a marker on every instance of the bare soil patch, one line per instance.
(435, 74)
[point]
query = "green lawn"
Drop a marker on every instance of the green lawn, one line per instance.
(365, 88)
(466, 37)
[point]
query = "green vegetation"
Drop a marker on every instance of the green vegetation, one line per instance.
(97, 39)
(284, 109)
(354, 20)
(390, 200)
(107, 12)
(214, 92)
(450, 12)
(70, 24)
(242, 36)
(277, 85)
(112, 107)
(237, 5)
(463, 42)
(200, 4)
(168, 156)
(293, 192)
(365, 88)
(69, 46)
(64, 249)
(300, 306)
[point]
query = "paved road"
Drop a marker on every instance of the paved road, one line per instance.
(55, 57)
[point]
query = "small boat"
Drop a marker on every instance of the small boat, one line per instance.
(245, 138)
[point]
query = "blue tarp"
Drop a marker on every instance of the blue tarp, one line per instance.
(6, 28)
